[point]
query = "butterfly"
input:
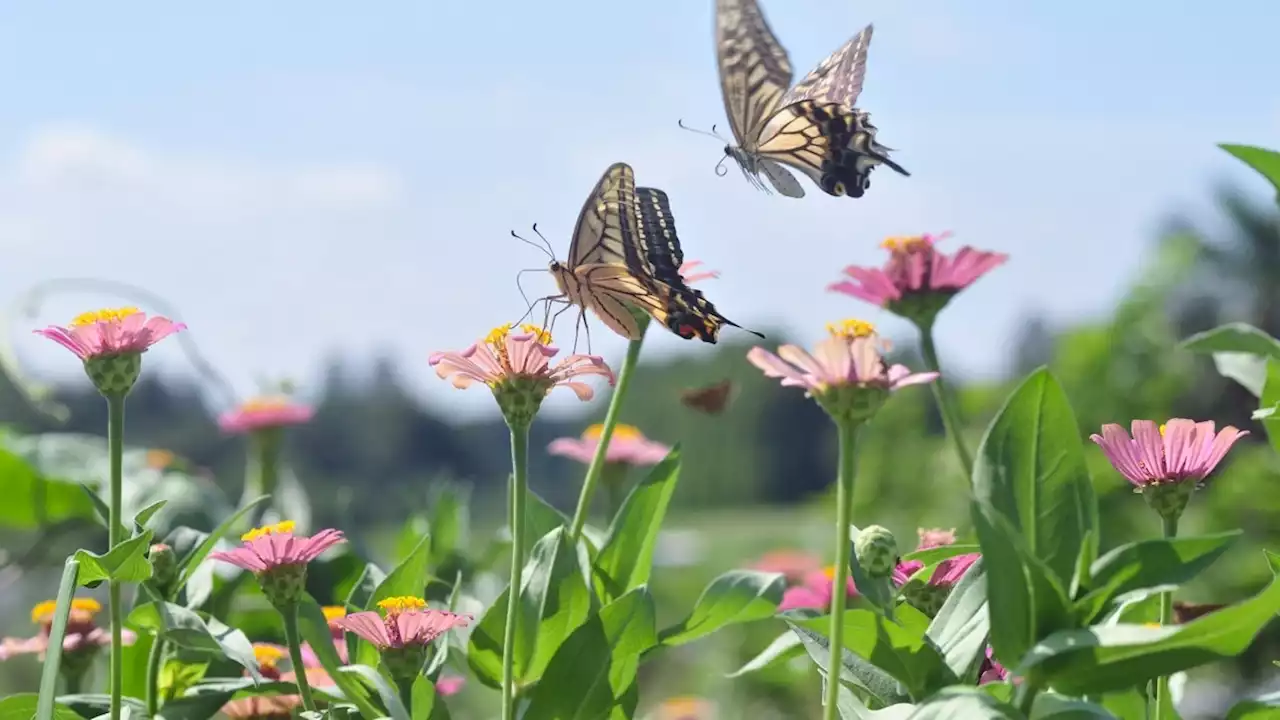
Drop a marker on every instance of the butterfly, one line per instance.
(813, 127)
(711, 399)
(625, 254)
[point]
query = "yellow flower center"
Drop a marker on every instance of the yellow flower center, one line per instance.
(904, 244)
(264, 403)
(851, 329)
(497, 337)
(333, 612)
(830, 572)
(683, 705)
(267, 655)
(42, 613)
(1162, 430)
(104, 315)
(621, 431)
(159, 459)
(403, 603)
(279, 528)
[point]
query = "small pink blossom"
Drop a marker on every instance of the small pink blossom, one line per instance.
(1172, 453)
(257, 707)
(275, 546)
(450, 684)
(849, 356)
(82, 635)
(263, 414)
(627, 446)
(933, 538)
(916, 267)
(815, 592)
(408, 622)
(111, 332)
(332, 614)
(502, 356)
(991, 670)
(795, 565)
(690, 276)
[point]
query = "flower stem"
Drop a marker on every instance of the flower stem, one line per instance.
(1166, 617)
(153, 675)
(596, 468)
(839, 589)
(946, 408)
(73, 682)
(263, 472)
(115, 532)
(518, 493)
(293, 638)
(405, 686)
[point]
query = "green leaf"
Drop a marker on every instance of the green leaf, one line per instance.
(1270, 400)
(853, 669)
(410, 578)
(196, 631)
(97, 705)
(592, 671)
(187, 565)
(1150, 564)
(424, 699)
(126, 562)
(1273, 560)
(555, 598)
(961, 627)
(1252, 710)
(738, 596)
(204, 700)
(967, 703)
(33, 501)
(1131, 703)
(1250, 371)
(1052, 706)
(1031, 469)
(387, 692)
(1118, 657)
(783, 648)
(24, 706)
(540, 518)
(1234, 337)
(851, 707)
(626, 558)
(53, 656)
(315, 631)
(450, 531)
(901, 648)
(1265, 162)
(144, 515)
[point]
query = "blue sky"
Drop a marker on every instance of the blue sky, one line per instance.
(303, 178)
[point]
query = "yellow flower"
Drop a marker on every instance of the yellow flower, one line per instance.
(851, 329)
(333, 612)
(104, 315)
(82, 610)
(267, 655)
(903, 244)
(279, 528)
(402, 603)
(621, 431)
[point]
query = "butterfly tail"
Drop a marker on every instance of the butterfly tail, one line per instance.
(856, 152)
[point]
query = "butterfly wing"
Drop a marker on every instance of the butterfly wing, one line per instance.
(838, 79)
(834, 145)
(711, 399)
(780, 178)
(754, 69)
(600, 235)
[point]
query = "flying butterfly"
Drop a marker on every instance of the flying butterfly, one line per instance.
(624, 254)
(813, 127)
(711, 399)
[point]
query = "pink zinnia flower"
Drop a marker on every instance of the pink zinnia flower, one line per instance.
(1173, 453)
(82, 634)
(917, 281)
(815, 592)
(991, 670)
(450, 684)
(269, 656)
(627, 446)
(504, 356)
(274, 546)
(691, 276)
(258, 707)
(263, 414)
(111, 332)
(795, 565)
(408, 622)
(930, 598)
(332, 614)
(931, 538)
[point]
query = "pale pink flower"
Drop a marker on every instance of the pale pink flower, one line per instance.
(627, 446)
(111, 332)
(815, 592)
(450, 684)
(690, 276)
(931, 538)
(264, 413)
(849, 356)
(275, 546)
(257, 707)
(1172, 453)
(795, 565)
(408, 622)
(82, 634)
(502, 356)
(916, 267)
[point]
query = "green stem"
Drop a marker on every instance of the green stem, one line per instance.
(154, 661)
(615, 490)
(263, 472)
(518, 493)
(1166, 618)
(115, 536)
(606, 434)
(839, 589)
(405, 686)
(946, 408)
(293, 638)
(73, 682)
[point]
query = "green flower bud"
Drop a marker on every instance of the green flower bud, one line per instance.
(114, 375)
(1169, 498)
(877, 551)
(164, 567)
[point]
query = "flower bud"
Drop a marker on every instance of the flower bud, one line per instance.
(164, 567)
(114, 375)
(877, 551)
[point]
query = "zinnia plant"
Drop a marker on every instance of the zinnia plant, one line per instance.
(627, 449)
(402, 635)
(80, 642)
(264, 420)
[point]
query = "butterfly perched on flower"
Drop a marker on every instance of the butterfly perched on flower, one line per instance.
(625, 254)
(812, 127)
(712, 399)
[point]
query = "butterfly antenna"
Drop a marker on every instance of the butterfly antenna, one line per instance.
(713, 132)
(721, 169)
(550, 250)
(546, 250)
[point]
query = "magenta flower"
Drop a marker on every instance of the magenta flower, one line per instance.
(815, 592)
(111, 332)
(691, 276)
(627, 446)
(795, 565)
(82, 637)
(930, 597)
(264, 414)
(931, 538)
(1178, 451)
(991, 670)
(408, 623)
(274, 546)
(450, 684)
(917, 281)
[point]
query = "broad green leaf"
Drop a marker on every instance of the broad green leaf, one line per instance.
(53, 657)
(97, 705)
(540, 518)
(592, 671)
(410, 578)
(1270, 400)
(1273, 560)
(737, 596)
(196, 631)
(361, 595)
(1031, 469)
(852, 708)
(126, 562)
(1265, 162)
(1250, 371)
(626, 558)
(426, 702)
(315, 632)
(555, 598)
(1118, 657)
(187, 565)
(967, 703)
(1031, 603)
(783, 648)
(1253, 710)
(961, 627)
(144, 515)
(25, 706)
(1052, 706)
(1131, 703)
(387, 692)
(450, 518)
(1235, 337)
(33, 501)
(899, 648)
(853, 669)
(1150, 564)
